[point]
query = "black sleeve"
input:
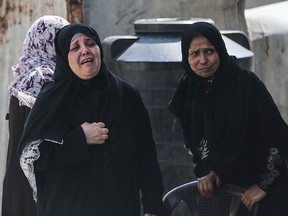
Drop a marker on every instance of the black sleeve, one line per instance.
(274, 131)
(17, 116)
(199, 169)
(177, 107)
(151, 184)
(74, 150)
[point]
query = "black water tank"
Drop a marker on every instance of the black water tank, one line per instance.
(151, 61)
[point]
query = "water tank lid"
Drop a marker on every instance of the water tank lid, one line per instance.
(161, 49)
(165, 25)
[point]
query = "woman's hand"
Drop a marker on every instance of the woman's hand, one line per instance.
(207, 183)
(95, 133)
(252, 195)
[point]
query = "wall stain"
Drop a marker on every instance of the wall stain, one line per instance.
(3, 28)
(4, 22)
(12, 14)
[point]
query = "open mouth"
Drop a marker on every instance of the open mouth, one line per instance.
(86, 61)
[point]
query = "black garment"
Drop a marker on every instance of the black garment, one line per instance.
(234, 129)
(74, 178)
(17, 194)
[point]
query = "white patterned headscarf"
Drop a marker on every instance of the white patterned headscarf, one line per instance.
(37, 63)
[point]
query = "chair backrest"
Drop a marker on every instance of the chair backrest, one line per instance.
(225, 202)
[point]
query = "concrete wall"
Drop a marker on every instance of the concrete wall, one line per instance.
(271, 65)
(114, 17)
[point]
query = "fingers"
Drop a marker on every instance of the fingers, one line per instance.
(207, 183)
(252, 195)
(248, 203)
(100, 127)
(205, 187)
(99, 124)
(96, 133)
(101, 133)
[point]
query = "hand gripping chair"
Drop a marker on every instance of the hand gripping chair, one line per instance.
(225, 202)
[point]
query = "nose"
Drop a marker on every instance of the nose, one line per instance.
(85, 50)
(202, 58)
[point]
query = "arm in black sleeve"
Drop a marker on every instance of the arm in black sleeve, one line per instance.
(199, 169)
(74, 150)
(151, 184)
(178, 107)
(275, 138)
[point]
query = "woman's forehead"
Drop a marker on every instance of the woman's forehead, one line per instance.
(80, 37)
(200, 39)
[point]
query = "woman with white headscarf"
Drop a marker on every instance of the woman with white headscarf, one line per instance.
(35, 67)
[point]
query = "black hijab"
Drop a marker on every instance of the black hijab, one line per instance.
(67, 102)
(212, 34)
(216, 120)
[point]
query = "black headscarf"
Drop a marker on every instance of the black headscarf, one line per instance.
(219, 117)
(212, 34)
(64, 104)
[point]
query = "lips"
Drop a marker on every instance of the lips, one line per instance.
(203, 69)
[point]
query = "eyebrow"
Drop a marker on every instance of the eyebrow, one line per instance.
(204, 48)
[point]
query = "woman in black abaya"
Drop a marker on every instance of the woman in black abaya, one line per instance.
(87, 148)
(231, 124)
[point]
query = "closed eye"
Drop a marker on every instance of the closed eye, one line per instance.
(90, 42)
(74, 48)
